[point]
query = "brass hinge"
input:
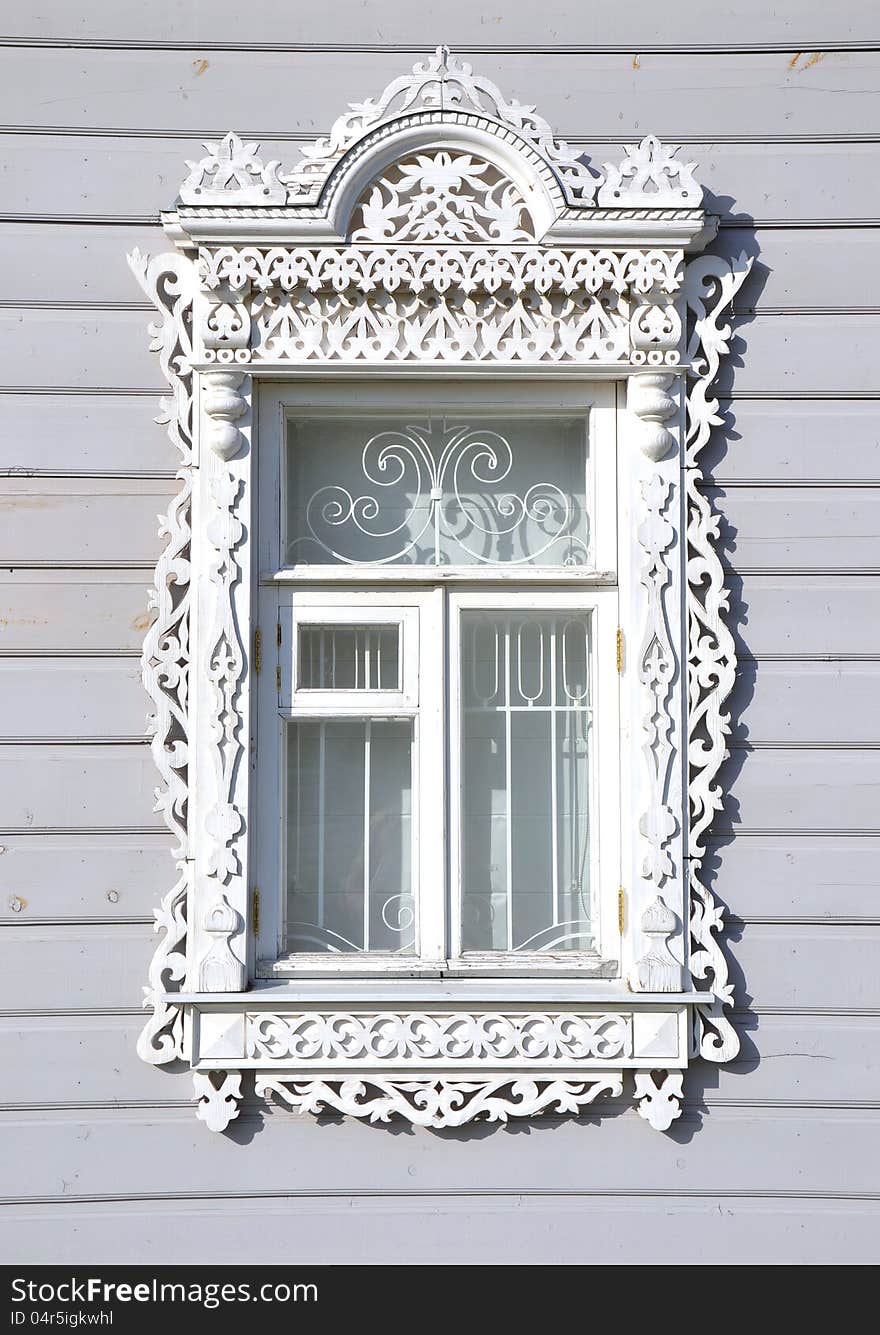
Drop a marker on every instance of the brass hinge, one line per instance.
(278, 680)
(621, 909)
(619, 648)
(258, 650)
(278, 634)
(255, 913)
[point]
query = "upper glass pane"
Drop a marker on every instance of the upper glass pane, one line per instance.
(478, 489)
(346, 657)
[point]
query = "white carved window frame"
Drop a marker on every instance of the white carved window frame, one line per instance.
(282, 275)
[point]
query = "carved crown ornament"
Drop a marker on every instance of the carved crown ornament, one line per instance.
(439, 229)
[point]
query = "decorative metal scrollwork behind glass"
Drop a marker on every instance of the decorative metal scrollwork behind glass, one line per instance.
(438, 493)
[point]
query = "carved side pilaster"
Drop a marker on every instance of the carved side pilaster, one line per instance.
(657, 663)
(710, 285)
(169, 282)
(224, 406)
(217, 958)
(649, 397)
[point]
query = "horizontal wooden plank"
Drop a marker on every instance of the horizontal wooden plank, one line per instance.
(73, 697)
(811, 267)
(786, 353)
(766, 1152)
(802, 790)
(59, 520)
(67, 787)
(74, 968)
(89, 174)
(73, 611)
(805, 614)
(791, 876)
(103, 966)
(807, 703)
(824, 439)
(92, 1059)
(71, 348)
(797, 1059)
(822, 354)
(780, 527)
(469, 1231)
(111, 877)
(172, 90)
(59, 263)
(385, 23)
(97, 433)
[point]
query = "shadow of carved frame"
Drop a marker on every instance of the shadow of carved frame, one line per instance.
(522, 260)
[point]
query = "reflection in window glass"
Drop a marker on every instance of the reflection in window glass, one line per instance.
(349, 821)
(441, 490)
(525, 803)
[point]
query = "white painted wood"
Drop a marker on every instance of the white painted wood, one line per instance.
(385, 24)
(60, 611)
(51, 348)
(829, 440)
(781, 966)
(462, 1231)
(82, 876)
(134, 89)
(61, 520)
(78, 262)
(54, 786)
(77, 967)
(740, 1151)
(807, 704)
(812, 876)
(85, 434)
(803, 790)
(72, 698)
(805, 614)
(786, 1060)
(780, 528)
(797, 876)
(55, 176)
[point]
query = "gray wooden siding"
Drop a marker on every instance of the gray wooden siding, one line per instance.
(776, 1155)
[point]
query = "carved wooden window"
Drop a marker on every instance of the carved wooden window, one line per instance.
(439, 661)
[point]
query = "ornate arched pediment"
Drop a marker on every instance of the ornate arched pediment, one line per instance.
(442, 228)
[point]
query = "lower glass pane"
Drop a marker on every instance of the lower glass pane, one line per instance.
(349, 831)
(526, 791)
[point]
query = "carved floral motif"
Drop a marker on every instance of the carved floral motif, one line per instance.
(651, 176)
(231, 173)
(656, 668)
(711, 284)
(473, 286)
(459, 1036)
(441, 84)
(442, 197)
(169, 282)
(440, 1102)
(441, 269)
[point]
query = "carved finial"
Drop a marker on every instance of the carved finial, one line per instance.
(658, 970)
(231, 173)
(219, 970)
(650, 177)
